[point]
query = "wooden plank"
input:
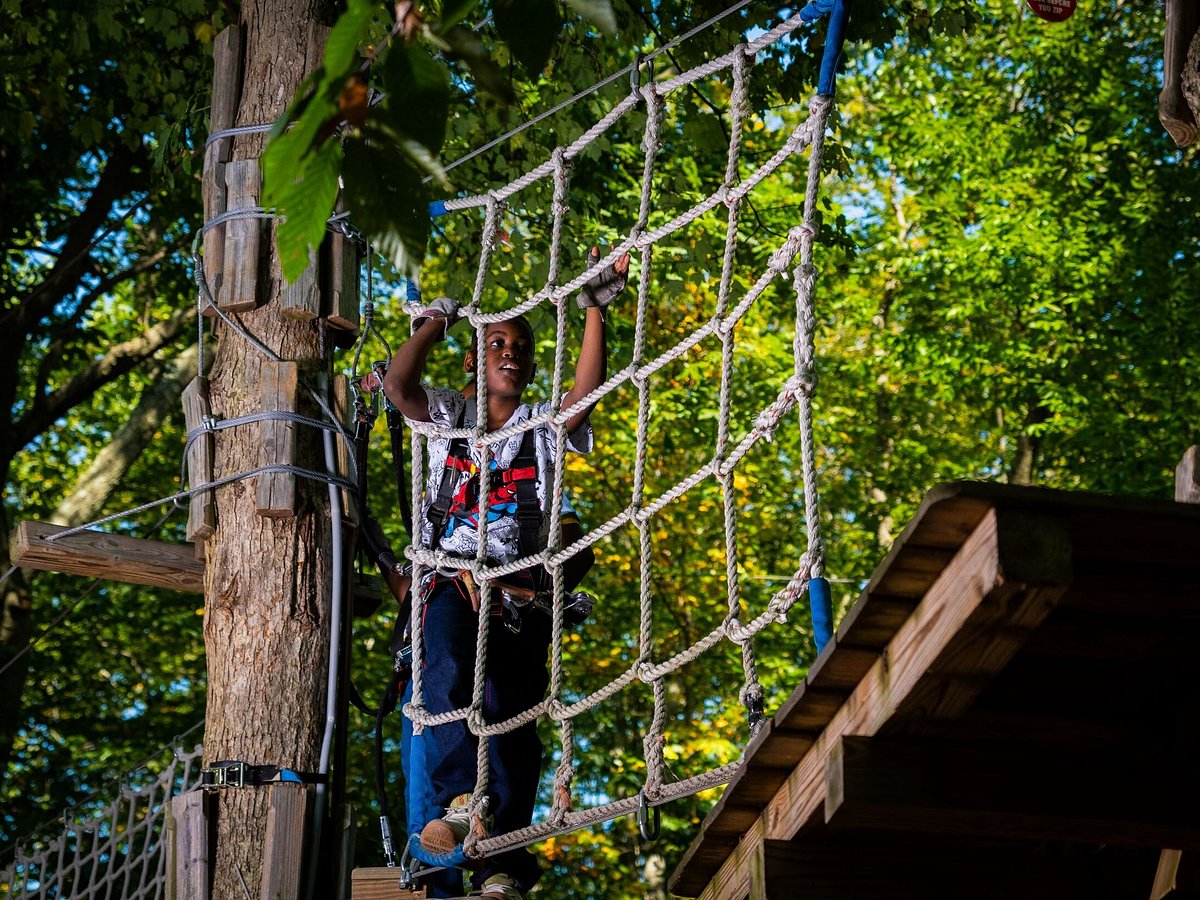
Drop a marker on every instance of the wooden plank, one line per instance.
(301, 299)
(1187, 477)
(289, 806)
(343, 284)
(227, 58)
(188, 866)
(243, 237)
(381, 883)
(1006, 791)
(112, 557)
(278, 385)
(883, 868)
(202, 510)
(1011, 564)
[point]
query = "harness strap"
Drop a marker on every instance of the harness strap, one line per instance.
(529, 513)
(522, 474)
(439, 509)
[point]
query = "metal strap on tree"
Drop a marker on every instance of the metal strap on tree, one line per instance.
(794, 255)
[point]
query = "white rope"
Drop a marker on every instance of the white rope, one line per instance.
(793, 256)
(117, 853)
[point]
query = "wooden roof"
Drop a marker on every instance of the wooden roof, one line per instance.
(1013, 700)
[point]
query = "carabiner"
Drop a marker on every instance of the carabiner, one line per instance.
(649, 819)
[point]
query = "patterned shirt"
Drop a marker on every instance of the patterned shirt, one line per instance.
(460, 534)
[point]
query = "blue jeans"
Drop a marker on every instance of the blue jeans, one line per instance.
(515, 679)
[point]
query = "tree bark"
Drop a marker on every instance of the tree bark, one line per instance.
(1028, 446)
(268, 580)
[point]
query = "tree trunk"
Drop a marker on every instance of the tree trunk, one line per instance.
(1029, 444)
(267, 583)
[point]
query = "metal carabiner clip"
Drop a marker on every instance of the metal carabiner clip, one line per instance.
(649, 819)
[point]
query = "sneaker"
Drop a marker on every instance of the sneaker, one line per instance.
(501, 887)
(444, 834)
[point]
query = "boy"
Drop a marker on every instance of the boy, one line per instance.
(516, 659)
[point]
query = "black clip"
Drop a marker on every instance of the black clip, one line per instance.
(649, 819)
(224, 773)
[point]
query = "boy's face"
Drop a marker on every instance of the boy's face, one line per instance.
(508, 357)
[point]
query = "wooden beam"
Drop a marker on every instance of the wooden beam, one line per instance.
(112, 557)
(1006, 578)
(227, 57)
(301, 299)
(1005, 791)
(188, 863)
(243, 237)
(278, 384)
(284, 857)
(344, 275)
(380, 883)
(884, 868)
(1187, 477)
(202, 511)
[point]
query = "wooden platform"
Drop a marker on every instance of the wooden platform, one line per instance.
(380, 883)
(1010, 710)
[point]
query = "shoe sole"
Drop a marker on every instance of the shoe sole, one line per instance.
(438, 837)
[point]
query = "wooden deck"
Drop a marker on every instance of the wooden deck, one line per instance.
(1010, 710)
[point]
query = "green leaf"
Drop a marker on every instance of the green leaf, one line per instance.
(530, 27)
(341, 50)
(305, 201)
(466, 46)
(418, 94)
(387, 202)
(453, 12)
(598, 12)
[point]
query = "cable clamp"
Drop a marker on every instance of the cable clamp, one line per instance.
(235, 773)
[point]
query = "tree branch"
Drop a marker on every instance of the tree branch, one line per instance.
(112, 365)
(158, 401)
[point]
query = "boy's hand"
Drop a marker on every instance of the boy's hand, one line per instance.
(603, 287)
(442, 308)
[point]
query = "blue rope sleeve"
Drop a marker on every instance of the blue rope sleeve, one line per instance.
(820, 601)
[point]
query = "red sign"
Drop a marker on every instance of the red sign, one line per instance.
(1052, 10)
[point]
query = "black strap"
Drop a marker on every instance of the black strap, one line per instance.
(395, 423)
(529, 511)
(235, 773)
(439, 509)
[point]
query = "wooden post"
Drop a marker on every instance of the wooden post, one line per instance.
(188, 862)
(342, 291)
(284, 855)
(302, 298)
(1187, 477)
(1187, 490)
(227, 57)
(1174, 111)
(278, 384)
(202, 515)
(243, 237)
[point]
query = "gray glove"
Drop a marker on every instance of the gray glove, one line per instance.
(603, 287)
(442, 308)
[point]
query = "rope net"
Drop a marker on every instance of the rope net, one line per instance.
(117, 854)
(736, 435)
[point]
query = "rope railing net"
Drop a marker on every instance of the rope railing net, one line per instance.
(792, 256)
(117, 853)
